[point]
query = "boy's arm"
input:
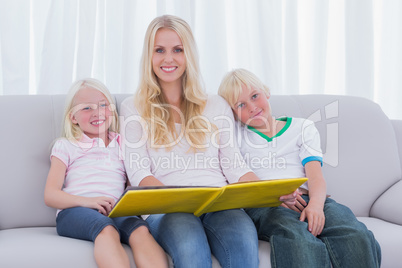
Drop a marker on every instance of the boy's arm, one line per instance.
(314, 211)
(55, 197)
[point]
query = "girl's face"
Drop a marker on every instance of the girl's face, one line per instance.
(252, 108)
(91, 112)
(168, 59)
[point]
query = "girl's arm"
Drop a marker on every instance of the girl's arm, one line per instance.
(55, 197)
(314, 211)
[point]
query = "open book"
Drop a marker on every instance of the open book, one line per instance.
(200, 200)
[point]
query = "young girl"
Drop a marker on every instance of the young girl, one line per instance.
(171, 138)
(87, 176)
(316, 231)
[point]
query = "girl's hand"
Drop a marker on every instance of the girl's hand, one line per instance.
(101, 203)
(315, 218)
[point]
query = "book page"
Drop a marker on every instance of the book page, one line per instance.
(162, 200)
(254, 194)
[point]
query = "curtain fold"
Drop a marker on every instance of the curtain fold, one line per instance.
(295, 47)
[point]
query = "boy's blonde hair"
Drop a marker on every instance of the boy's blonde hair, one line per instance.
(73, 131)
(149, 99)
(233, 82)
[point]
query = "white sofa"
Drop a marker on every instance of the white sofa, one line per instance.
(362, 167)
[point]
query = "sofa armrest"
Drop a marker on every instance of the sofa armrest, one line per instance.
(397, 124)
(386, 206)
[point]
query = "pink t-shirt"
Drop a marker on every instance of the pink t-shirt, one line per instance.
(92, 169)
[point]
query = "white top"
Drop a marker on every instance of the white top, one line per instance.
(92, 169)
(285, 154)
(217, 165)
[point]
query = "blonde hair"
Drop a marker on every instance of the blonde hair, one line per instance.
(233, 82)
(152, 104)
(72, 131)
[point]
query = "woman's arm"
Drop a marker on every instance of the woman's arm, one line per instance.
(55, 197)
(137, 160)
(249, 176)
(150, 181)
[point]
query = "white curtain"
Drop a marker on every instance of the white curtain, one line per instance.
(350, 47)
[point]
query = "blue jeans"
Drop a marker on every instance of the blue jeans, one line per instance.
(344, 242)
(230, 235)
(86, 224)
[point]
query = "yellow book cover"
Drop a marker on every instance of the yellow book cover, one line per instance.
(200, 200)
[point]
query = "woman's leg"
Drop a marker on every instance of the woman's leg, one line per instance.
(349, 242)
(292, 245)
(183, 237)
(232, 237)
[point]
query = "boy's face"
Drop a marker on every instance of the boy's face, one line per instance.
(252, 108)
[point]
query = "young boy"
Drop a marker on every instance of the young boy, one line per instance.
(316, 231)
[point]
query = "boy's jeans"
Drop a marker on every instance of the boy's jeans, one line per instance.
(344, 242)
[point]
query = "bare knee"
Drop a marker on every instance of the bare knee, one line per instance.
(139, 234)
(109, 231)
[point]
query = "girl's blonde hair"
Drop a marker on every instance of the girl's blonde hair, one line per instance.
(233, 82)
(73, 131)
(152, 104)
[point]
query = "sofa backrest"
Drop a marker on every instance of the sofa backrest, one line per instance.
(361, 159)
(29, 126)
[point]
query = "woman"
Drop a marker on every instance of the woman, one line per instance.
(172, 137)
(175, 134)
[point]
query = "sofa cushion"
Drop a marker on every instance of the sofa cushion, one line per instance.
(53, 250)
(389, 236)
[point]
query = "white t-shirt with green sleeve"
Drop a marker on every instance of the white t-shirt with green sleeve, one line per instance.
(284, 155)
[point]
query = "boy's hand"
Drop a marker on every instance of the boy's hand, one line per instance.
(298, 205)
(101, 203)
(290, 199)
(315, 218)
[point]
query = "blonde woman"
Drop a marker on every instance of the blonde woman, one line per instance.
(175, 134)
(87, 177)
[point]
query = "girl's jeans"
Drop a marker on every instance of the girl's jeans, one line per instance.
(189, 240)
(344, 242)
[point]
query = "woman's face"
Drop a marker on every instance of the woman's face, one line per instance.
(168, 59)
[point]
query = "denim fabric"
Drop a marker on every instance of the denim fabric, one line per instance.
(86, 224)
(189, 240)
(344, 242)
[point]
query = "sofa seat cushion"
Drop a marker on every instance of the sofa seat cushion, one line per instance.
(389, 236)
(41, 247)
